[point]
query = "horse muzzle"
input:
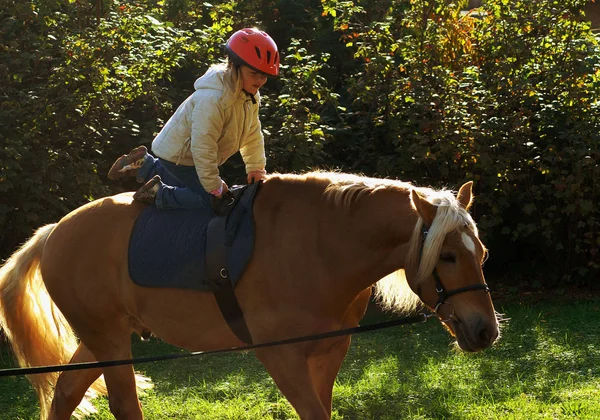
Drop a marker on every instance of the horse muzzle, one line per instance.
(474, 333)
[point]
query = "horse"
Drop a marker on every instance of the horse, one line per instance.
(326, 243)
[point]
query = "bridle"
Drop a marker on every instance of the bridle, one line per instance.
(442, 293)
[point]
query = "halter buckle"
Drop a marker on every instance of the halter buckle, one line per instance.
(437, 309)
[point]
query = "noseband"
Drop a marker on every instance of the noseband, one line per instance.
(444, 294)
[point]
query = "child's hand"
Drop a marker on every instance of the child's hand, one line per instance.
(255, 176)
(221, 190)
(222, 204)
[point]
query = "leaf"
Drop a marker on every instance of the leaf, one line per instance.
(529, 208)
(154, 21)
(586, 207)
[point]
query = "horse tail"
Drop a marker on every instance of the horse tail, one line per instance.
(38, 333)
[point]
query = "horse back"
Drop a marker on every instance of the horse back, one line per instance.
(93, 232)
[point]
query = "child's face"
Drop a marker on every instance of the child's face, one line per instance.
(252, 80)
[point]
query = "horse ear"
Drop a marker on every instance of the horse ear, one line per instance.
(425, 209)
(465, 195)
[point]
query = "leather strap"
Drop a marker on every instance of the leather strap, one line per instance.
(217, 252)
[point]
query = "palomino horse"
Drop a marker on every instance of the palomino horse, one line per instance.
(322, 241)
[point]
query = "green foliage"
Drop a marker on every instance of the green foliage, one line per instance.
(417, 90)
(296, 130)
(80, 90)
(545, 103)
(509, 101)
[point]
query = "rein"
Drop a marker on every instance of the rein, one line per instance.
(421, 317)
(444, 294)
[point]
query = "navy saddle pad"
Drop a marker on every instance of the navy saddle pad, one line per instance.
(168, 247)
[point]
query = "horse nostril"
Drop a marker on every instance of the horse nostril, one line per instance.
(487, 335)
(484, 336)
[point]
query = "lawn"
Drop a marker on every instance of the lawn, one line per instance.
(546, 365)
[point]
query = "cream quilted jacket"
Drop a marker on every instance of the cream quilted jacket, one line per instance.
(209, 127)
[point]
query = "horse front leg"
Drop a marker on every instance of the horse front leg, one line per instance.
(324, 366)
(71, 386)
(328, 355)
(122, 395)
(289, 368)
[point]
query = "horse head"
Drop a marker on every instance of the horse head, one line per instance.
(445, 267)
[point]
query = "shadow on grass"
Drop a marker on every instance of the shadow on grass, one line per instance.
(544, 349)
(17, 398)
(213, 375)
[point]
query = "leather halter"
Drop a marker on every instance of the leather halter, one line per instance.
(444, 294)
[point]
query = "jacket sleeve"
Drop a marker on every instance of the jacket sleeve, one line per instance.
(253, 146)
(207, 124)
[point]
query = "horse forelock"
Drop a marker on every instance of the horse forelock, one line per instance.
(450, 216)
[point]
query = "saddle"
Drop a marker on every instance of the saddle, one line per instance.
(197, 249)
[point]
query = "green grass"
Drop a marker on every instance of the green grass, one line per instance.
(546, 365)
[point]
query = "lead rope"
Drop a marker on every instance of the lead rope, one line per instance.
(419, 318)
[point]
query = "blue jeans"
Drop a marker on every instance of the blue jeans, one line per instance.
(180, 187)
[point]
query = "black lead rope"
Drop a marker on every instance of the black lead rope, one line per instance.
(421, 317)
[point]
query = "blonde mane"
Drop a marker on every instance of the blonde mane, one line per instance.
(393, 292)
(346, 189)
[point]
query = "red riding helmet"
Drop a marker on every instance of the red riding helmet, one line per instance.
(254, 48)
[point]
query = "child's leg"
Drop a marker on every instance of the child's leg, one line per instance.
(180, 187)
(181, 176)
(169, 197)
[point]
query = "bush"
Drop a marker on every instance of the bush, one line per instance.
(408, 89)
(509, 101)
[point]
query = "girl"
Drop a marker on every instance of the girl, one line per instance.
(219, 119)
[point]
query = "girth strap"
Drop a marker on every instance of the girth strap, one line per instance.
(218, 244)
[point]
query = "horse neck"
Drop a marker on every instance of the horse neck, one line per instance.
(371, 239)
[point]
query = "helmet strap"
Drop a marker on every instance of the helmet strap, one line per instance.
(251, 96)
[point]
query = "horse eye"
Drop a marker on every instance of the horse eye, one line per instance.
(448, 257)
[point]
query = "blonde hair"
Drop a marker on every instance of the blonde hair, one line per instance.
(232, 78)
